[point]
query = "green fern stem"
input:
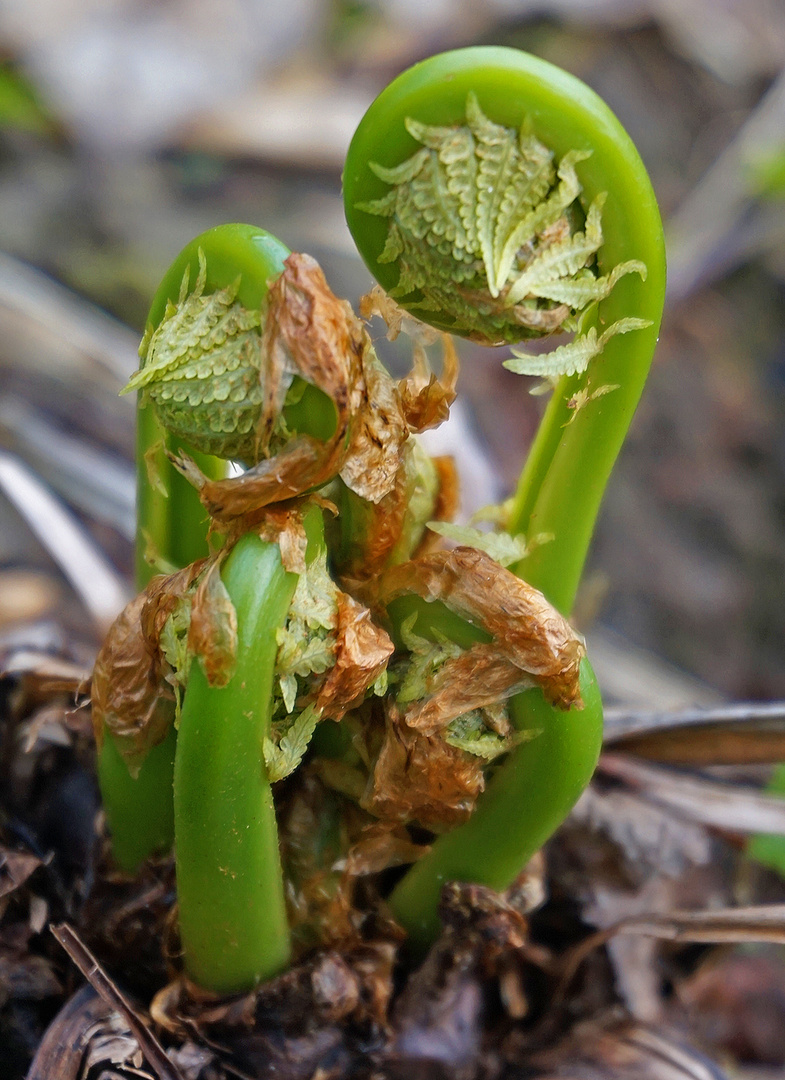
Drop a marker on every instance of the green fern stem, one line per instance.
(232, 913)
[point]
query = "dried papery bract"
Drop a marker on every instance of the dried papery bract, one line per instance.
(479, 678)
(378, 532)
(212, 633)
(426, 399)
(362, 651)
(527, 630)
(422, 778)
(131, 696)
(425, 769)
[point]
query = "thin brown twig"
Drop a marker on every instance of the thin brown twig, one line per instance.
(88, 965)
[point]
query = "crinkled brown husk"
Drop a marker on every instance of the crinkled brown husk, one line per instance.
(481, 676)
(378, 434)
(422, 778)
(427, 399)
(380, 846)
(212, 634)
(332, 852)
(448, 500)
(383, 523)
(396, 318)
(282, 524)
(164, 593)
(526, 629)
(129, 694)
(361, 653)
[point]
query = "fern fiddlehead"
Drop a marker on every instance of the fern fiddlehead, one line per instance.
(498, 197)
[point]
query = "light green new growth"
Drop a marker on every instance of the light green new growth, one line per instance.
(486, 229)
(306, 647)
(424, 660)
(503, 547)
(201, 368)
(306, 643)
(283, 757)
(486, 733)
(574, 357)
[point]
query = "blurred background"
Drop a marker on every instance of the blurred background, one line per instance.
(127, 127)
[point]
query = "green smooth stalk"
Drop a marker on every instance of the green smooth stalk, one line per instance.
(230, 893)
(139, 811)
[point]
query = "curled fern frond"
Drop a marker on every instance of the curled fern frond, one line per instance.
(201, 368)
(486, 229)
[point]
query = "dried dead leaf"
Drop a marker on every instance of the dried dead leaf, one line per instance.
(378, 433)
(737, 734)
(43, 675)
(112, 1044)
(48, 724)
(421, 778)
(762, 922)
(380, 846)
(731, 807)
(62, 1049)
(647, 839)
(95, 974)
(526, 629)
(621, 1050)
(362, 650)
(15, 868)
(449, 498)
(162, 595)
(396, 318)
(392, 530)
(427, 399)
(369, 544)
(212, 634)
(129, 695)
(477, 678)
(283, 525)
